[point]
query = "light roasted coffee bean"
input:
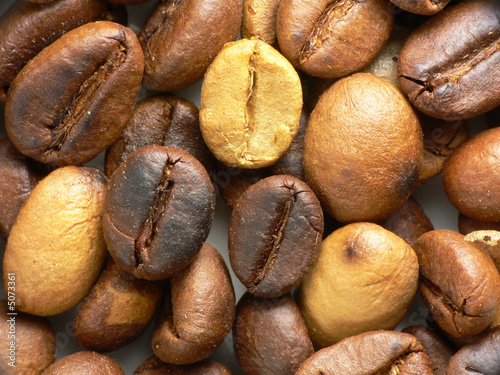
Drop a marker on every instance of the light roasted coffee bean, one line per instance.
(260, 19)
(71, 101)
(85, 362)
(489, 241)
(158, 211)
(154, 366)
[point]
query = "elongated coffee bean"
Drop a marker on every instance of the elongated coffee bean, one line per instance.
(159, 209)
(72, 100)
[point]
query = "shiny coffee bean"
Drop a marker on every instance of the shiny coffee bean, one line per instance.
(275, 235)
(489, 241)
(449, 66)
(154, 366)
(85, 362)
(71, 101)
(158, 211)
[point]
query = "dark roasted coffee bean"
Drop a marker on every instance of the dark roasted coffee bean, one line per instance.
(154, 366)
(158, 211)
(270, 336)
(163, 121)
(198, 311)
(72, 100)
(275, 235)
(181, 38)
(449, 65)
(374, 352)
(26, 28)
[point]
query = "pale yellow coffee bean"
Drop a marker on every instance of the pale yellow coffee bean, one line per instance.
(56, 247)
(251, 100)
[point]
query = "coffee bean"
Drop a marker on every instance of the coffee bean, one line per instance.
(424, 7)
(85, 362)
(275, 235)
(71, 101)
(158, 211)
(154, 366)
(449, 66)
(259, 19)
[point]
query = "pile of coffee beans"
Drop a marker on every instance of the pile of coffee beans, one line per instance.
(232, 187)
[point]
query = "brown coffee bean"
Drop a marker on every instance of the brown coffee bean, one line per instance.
(436, 347)
(154, 366)
(458, 282)
(198, 311)
(467, 224)
(158, 211)
(181, 38)
(275, 235)
(367, 275)
(259, 19)
(375, 352)
(251, 101)
(18, 177)
(85, 362)
(163, 121)
(448, 66)
(358, 166)
(332, 39)
(489, 241)
(26, 28)
(480, 357)
(117, 310)
(29, 341)
(409, 222)
(425, 7)
(56, 248)
(471, 176)
(270, 336)
(71, 101)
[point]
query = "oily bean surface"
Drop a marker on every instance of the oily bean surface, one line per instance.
(163, 120)
(154, 366)
(377, 352)
(158, 211)
(331, 39)
(275, 235)
(71, 101)
(26, 28)
(449, 66)
(85, 362)
(459, 282)
(270, 336)
(198, 311)
(181, 38)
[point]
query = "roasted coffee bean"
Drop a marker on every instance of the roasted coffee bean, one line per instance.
(30, 342)
(26, 28)
(489, 241)
(358, 166)
(459, 282)
(409, 222)
(154, 366)
(164, 121)
(471, 176)
(275, 235)
(425, 7)
(270, 336)
(376, 352)
(158, 211)
(467, 224)
(181, 38)
(56, 248)
(198, 311)
(367, 275)
(251, 101)
(436, 347)
(18, 176)
(71, 101)
(449, 65)
(260, 19)
(480, 357)
(117, 310)
(85, 362)
(332, 39)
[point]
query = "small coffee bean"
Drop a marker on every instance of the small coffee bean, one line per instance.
(331, 39)
(375, 352)
(275, 235)
(459, 282)
(154, 366)
(181, 38)
(251, 101)
(259, 19)
(163, 120)
(425, 7)
(449, 66)
(158, 211)
(198, 311)
(85, 362)
(118, 309)
(270, 336)
(71, 101)
(489, 241)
